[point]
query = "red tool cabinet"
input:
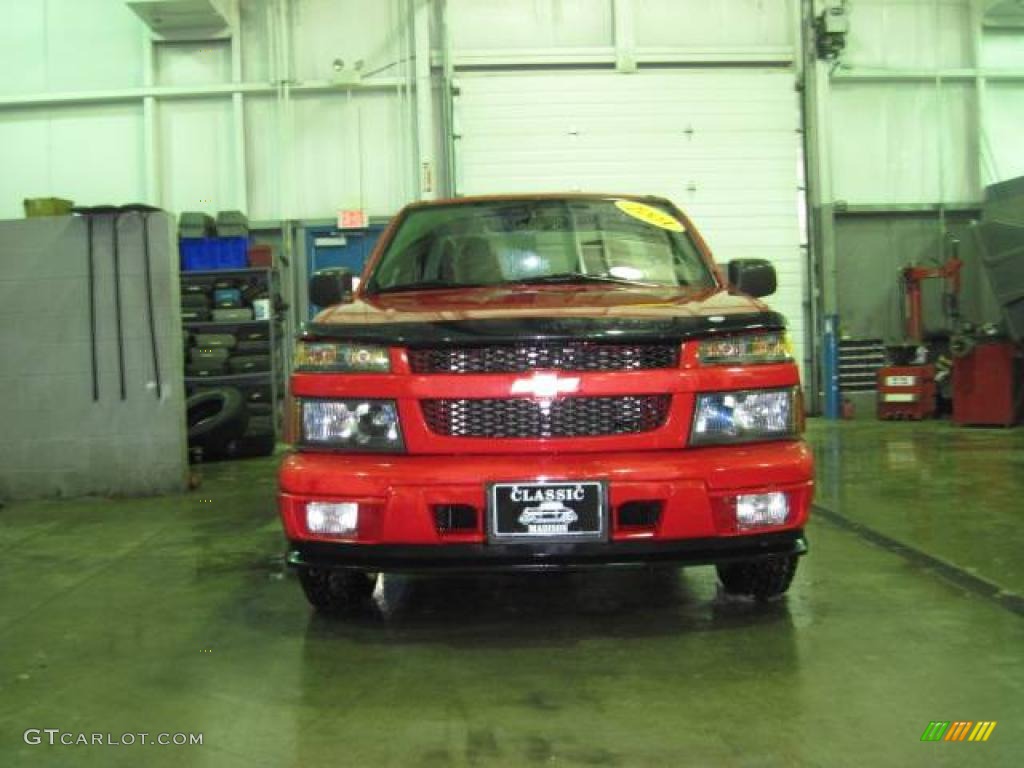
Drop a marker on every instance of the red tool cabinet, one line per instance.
(987, 385)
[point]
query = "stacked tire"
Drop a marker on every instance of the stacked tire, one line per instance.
(224, 421)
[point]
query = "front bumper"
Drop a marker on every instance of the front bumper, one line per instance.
(463, 558)
(398, 497)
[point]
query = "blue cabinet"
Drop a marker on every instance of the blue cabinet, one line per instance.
(330, 247)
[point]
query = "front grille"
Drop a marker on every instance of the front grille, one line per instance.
(569, 417)
(519, 358)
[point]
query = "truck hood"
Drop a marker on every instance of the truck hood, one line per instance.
(517, 313)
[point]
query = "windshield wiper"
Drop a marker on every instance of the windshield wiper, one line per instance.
(426, 285)
(578, 277)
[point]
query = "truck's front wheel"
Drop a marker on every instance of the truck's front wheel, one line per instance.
(762, 579)
(336, 591)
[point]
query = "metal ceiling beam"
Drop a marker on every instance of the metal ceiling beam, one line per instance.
(926, 75)
(859, 209)
(469, 58)
(28, 101)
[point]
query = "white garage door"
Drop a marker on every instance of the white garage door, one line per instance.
(722, 144)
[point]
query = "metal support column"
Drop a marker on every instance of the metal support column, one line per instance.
(447, 99)
(427, 189)
(821, 223)
(625, 39)
(241, 182)
(150, 135)
(830, 368)
(986, 173)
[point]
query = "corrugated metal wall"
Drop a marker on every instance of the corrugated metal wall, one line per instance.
(1003, 144)
(904, 143)
(351, 148)
(912, 121)
(915, 119)
(924, 104)
(887, 142)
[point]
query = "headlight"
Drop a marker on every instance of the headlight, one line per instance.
(350, 358)
(356, 425)
(733, 417)
(744, 350)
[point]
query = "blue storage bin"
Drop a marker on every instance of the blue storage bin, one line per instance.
(206, 253)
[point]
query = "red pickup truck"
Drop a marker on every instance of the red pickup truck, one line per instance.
(544, 382)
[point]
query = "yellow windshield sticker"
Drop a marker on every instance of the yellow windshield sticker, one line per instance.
(649, 215)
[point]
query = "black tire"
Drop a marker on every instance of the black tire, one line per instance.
(212, 355)
(761, 579)
(249, 363)
(216, 415)
(252, 348)
(216, 340)
(195, 301)
(337, 592)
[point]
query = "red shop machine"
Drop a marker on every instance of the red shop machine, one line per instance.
(910, 391)
(988, 369)
(987, 387)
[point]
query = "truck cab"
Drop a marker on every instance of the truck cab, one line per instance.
(578, 357)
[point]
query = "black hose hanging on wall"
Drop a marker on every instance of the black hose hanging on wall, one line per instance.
(144, 211)
(90, 213)
(92, 312)
(149, 303)
(115, 213)
(117, 302)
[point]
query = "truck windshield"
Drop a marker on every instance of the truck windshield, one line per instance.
(539, 241)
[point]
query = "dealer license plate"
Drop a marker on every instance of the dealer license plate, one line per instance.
(547, 511)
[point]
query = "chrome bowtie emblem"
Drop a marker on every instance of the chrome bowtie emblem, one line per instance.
(545, 386)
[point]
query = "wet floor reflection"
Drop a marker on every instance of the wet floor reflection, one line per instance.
(538, 669)
(548, 608)
(950, 492)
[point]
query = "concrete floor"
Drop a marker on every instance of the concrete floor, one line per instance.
(175, 614)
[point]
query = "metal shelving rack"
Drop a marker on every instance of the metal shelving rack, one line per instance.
(275, 376)
(859, 361)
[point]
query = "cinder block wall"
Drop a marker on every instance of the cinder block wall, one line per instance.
(58, 440)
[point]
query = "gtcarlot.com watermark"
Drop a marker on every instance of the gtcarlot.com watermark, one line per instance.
(55, 737)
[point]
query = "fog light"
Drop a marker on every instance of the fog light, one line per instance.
(761, 509)
(335, 519)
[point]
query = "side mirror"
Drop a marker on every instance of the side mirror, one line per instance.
(331, 286)
(754, 277)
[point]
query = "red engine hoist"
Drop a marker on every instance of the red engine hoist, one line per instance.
(913, 276)
(909, 392)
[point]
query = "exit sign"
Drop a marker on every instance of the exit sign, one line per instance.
(353, 219)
